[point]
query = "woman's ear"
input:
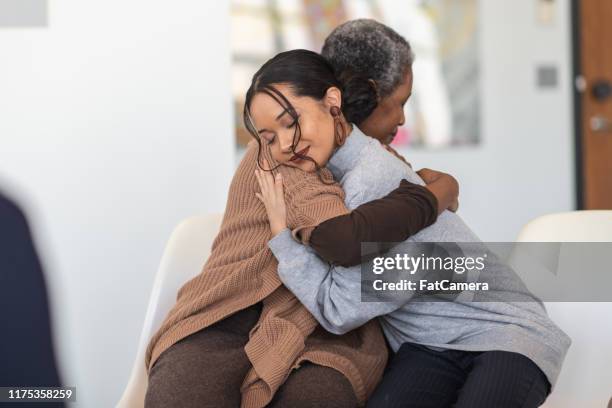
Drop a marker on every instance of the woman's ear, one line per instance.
(375, 86)
(333, 97)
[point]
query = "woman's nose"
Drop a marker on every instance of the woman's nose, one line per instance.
(285, 143)
(402, 118)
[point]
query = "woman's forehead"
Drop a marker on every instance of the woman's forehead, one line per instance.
(270, 100)
(404, 88)
(274, 95)
(264, 111)
(268, 108)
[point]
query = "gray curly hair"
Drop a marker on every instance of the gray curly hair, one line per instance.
(371, 49)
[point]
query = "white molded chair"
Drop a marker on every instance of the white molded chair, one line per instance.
(586, 376)
(183, 258)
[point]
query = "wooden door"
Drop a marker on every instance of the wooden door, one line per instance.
(594, 41)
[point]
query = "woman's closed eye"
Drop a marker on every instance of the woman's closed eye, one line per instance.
(293, 123)
(268, 137)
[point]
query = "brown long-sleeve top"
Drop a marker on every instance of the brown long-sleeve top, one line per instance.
(393, 218)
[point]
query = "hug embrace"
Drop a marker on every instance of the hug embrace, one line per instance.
(275, 318)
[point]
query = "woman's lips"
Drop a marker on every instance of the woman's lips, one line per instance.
(301, 153)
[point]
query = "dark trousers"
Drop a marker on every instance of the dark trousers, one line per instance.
(206, 369)
(420, 377)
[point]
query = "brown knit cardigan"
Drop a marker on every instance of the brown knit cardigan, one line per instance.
(242, 271)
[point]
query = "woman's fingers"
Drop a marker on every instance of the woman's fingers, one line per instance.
(269, 180)
(259, 181)
(268, 185)
(263, 185)
(278, 185)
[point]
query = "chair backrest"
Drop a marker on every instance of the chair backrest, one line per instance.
(574, 226)
(586, 377)
(184, 256)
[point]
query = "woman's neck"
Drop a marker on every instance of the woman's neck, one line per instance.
(349, 129)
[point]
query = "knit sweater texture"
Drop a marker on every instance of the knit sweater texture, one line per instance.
(241, 271)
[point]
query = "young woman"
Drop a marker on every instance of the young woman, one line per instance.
(236, 335)
(500, 352)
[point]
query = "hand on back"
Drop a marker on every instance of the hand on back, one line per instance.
(444, 186)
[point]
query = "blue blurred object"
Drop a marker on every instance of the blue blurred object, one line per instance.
(26, 348)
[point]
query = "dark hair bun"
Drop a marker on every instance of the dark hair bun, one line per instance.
(359, 97)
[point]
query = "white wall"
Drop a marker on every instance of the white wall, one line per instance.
(524, 165)
(115, 124)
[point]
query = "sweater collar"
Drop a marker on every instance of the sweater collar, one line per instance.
(344, 158)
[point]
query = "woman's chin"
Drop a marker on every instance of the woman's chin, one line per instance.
(388, 139)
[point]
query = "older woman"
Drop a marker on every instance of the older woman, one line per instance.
(375, 51)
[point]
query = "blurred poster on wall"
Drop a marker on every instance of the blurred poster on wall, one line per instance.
(444, 108)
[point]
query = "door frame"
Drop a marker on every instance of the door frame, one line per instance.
(577, 100)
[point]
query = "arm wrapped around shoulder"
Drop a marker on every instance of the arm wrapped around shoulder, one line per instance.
(394, 218)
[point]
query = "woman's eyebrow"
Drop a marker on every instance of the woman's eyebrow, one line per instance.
(280, 115)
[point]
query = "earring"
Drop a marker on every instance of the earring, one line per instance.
(339, 130)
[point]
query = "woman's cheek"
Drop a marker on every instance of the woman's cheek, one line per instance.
(277, 155)
(278, 158)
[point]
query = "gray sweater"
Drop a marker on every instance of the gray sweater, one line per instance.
(367, 172)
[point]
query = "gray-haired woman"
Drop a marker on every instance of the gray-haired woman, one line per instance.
(371, 49)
